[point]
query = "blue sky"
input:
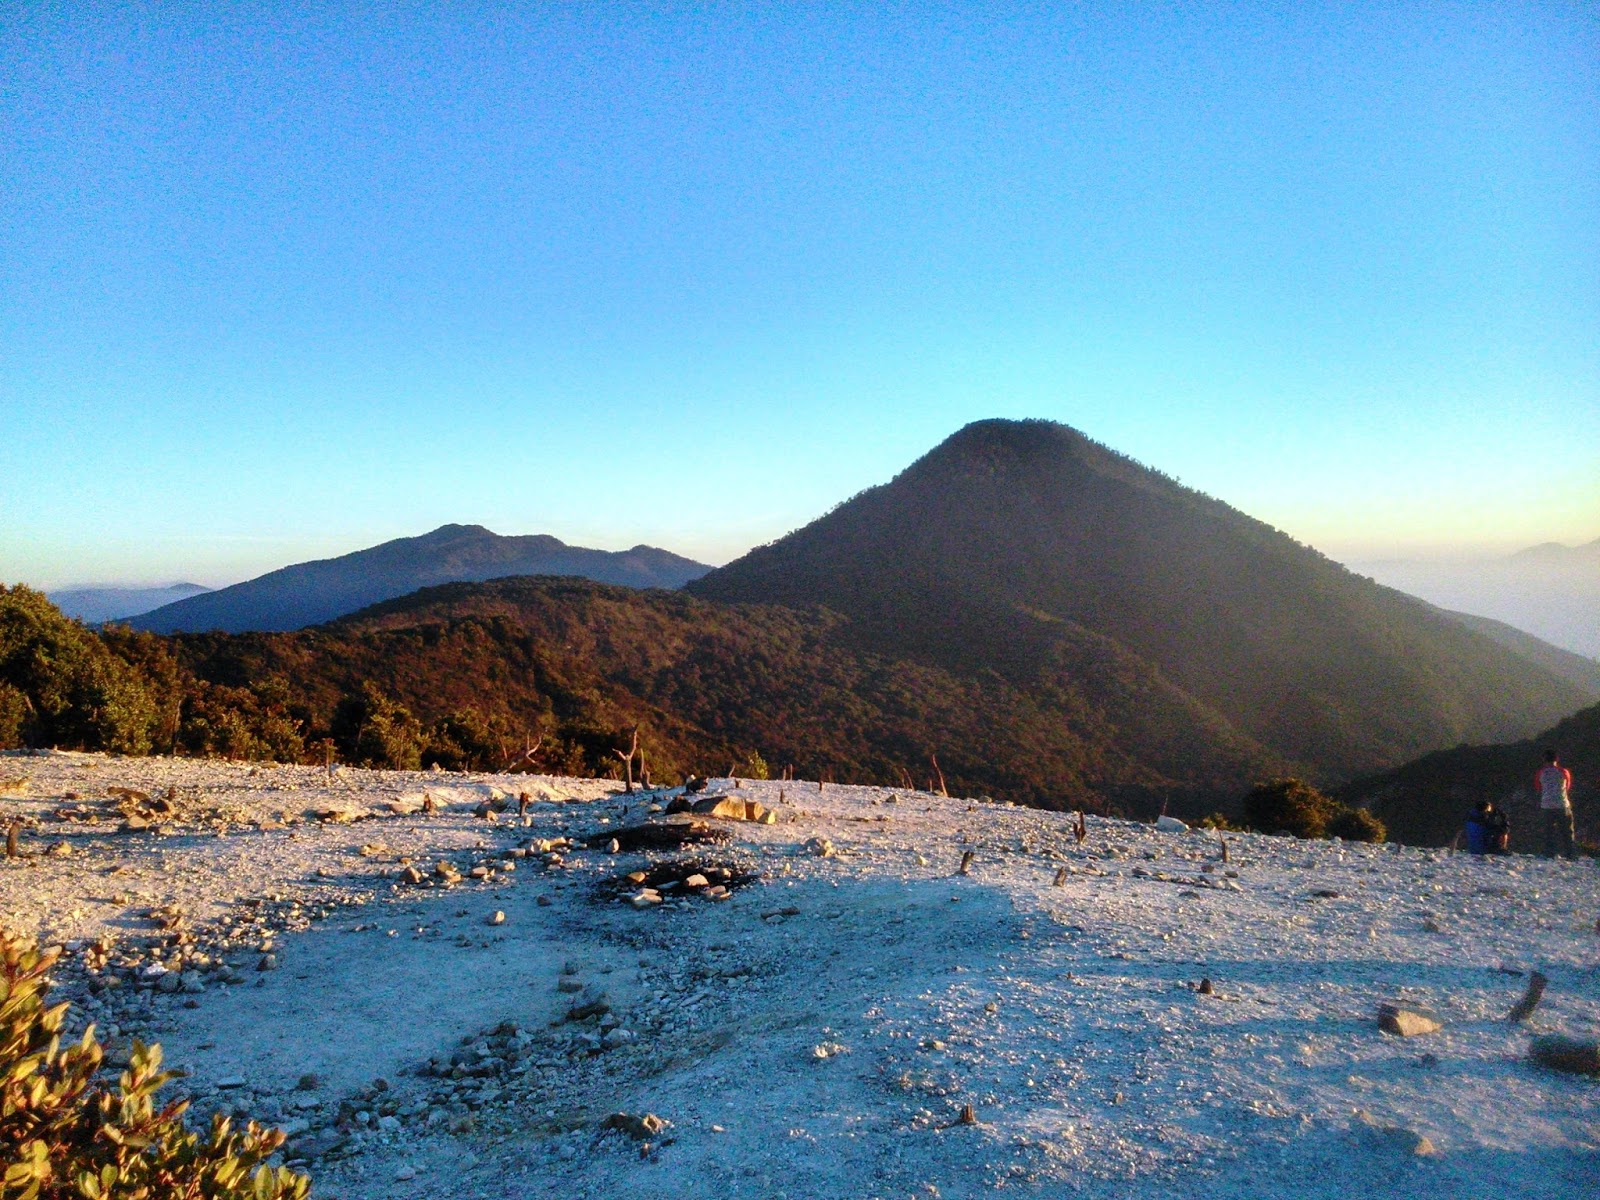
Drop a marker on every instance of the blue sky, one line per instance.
(279, 285)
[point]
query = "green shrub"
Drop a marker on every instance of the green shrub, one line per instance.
(464, 741)
(373, 730)
(64, 1134)
(1356, 825)
(1289, 806)
(75, 691)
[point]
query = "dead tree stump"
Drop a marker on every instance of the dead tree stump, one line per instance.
(1530, 999)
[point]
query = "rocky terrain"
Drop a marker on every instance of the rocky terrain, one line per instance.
(493, 986)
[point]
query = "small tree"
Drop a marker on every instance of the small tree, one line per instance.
(64, 1135)
(1288, 806)
(373, 730)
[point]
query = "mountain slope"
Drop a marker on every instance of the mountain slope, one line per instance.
(92, 605)
(1576, 669)
(711, 683)
(312, 592)
(966, 557)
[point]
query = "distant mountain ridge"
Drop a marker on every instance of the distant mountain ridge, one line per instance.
(93, 605)
(311, 593)
(1012, 534)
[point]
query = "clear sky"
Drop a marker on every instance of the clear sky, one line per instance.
(277, 285)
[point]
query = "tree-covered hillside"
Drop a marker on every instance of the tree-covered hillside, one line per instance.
(966, 559)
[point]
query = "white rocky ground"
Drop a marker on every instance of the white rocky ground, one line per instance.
(818, 1033)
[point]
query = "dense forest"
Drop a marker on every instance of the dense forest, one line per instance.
(464, 675)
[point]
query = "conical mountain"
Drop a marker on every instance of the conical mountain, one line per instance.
(1012, 535)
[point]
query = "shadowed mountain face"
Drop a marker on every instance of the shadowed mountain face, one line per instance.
(1575, 668)
(313, 592)
(1014, 535)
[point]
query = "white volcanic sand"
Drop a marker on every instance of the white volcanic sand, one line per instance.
(829, 1053)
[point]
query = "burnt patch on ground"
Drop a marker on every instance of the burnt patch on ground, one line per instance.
(661, 835)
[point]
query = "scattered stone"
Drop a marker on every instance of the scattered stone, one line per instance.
(1404, 1021)
(1168, 824)
(592, 1003)
(230, 1082)
(647, 898)
(269, 962)
(412, 876)
(308, 1083)
(405, 1173)
(613, 847)
(819, 847)
(497, 918)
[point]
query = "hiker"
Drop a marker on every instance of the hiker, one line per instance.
(1553, 782)
(1488, 831)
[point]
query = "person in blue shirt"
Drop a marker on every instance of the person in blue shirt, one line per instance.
(1488, 831)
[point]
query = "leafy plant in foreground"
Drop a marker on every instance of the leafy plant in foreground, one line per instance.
(64, 1134)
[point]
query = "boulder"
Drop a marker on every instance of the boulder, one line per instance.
(735, 808)
(1405, 1021)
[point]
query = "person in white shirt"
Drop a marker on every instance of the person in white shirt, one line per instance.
(1553, 782)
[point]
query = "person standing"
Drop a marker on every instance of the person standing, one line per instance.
(1553, 782)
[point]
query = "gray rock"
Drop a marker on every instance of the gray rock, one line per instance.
(1405, 1021)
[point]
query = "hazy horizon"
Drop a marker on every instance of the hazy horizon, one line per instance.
(331, 546)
